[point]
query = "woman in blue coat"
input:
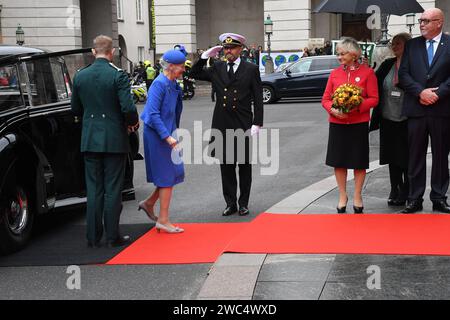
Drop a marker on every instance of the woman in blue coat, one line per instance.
(161, 117)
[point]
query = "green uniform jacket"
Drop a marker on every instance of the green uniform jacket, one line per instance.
(101, 94)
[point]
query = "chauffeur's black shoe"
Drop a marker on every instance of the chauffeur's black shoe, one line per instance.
(95, 244)
(243, 211)
(230, 211)
(413, 206)
(119, 242)
(441, 206)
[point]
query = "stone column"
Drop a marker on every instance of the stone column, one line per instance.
(175, 24)
(291, 23)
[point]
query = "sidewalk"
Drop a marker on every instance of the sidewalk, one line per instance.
(322, 277)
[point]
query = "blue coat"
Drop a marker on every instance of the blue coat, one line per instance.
(161, 117)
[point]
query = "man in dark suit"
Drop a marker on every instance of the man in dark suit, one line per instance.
(238, 86)
(101, 95)
(424, 74)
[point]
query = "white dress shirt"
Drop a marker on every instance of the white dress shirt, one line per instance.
(236, 65)
(436, 43)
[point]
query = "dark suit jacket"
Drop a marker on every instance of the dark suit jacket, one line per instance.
(415, 75)
(233, 108)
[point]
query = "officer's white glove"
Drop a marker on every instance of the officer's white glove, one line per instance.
(211, 53)
(255, 130)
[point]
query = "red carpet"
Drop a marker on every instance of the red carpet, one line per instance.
(422, 234)
(200, 243)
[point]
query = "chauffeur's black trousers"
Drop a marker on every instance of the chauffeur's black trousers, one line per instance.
(229, 183)
(419, 129)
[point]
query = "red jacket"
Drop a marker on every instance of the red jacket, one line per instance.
(363, 77)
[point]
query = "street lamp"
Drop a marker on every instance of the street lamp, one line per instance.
(268, 29)
(410, 21)
(20, 35)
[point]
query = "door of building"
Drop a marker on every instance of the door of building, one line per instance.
(355, 26)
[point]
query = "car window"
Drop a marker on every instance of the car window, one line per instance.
(302, 66)
(334, 63)
(61, 81)
(10, 96)
(323, 64)
(47, 81)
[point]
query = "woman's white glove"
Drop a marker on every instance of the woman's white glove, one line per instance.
(211, 53)
(255, 130)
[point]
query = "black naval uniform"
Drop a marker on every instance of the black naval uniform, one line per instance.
(235, 93)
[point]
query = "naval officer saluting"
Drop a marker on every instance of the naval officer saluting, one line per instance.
(238, 86)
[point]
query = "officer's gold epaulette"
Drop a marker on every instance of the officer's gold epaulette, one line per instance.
(115, 67)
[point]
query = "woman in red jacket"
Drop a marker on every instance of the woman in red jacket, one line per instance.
(348, 142)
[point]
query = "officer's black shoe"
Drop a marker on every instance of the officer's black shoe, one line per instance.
(95, 244)
(119, 242)
(229, 211)
(396, 202)
(413, 206)
(243, 211)
(441, 206)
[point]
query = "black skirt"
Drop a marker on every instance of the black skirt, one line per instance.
(348, 146)
(394, 143)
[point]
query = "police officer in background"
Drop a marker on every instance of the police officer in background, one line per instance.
(238, 84)
(101, 95)
(150, 74)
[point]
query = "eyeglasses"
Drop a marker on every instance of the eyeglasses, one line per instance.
(427, 21)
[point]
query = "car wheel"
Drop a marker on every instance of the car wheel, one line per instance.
(16, 221)
(268, 94)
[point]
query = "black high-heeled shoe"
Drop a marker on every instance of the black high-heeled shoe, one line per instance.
(342, 209)
(358, 210)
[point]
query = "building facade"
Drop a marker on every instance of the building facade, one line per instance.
(198, 23)
(57, 25)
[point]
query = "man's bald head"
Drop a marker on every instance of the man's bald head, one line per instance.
(432, 23)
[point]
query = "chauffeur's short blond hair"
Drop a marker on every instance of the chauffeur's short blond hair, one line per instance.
(103, 44)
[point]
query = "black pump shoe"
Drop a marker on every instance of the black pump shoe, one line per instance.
(342, 209)
(358, 210)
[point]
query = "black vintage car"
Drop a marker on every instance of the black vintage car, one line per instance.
(304, 79)
(41, 167)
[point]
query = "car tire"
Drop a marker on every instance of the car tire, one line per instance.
(268, 95)
(16, 221)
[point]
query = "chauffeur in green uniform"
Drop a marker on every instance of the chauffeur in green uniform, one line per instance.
(101, 95)
(238, 87)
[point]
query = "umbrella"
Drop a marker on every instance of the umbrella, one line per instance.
(395, 7)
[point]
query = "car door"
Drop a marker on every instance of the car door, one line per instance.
(55, 132)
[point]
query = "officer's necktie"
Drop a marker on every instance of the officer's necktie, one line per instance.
(430, 51)
(231, 70)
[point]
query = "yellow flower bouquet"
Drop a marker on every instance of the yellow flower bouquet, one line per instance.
(347, 97)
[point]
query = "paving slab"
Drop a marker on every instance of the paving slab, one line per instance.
(230, 281)
(288, 290)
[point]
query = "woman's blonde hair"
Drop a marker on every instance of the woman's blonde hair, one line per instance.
(350, 45)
